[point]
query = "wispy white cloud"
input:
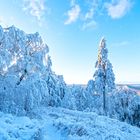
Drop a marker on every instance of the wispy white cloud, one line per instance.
(89, 25)
(118, 9)
(76, 13)
(73, 14)
(89, 14)
(35, 7)
(72, 2)
(92, 8)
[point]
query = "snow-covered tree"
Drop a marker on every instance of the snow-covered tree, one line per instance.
(124, 104)
(69, 100)
(55, 83)
(90, 87)
(26, 77)
(93, 102)
(104, 76)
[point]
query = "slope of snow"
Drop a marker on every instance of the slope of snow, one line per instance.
(83, 125)
(63, 124)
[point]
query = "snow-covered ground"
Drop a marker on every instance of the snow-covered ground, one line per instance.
(18, 128)
(63, 124)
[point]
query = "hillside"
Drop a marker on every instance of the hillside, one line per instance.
(63, 124)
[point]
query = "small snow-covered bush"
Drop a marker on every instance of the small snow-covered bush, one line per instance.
(74, 98)
(69, 100)
(82, 98)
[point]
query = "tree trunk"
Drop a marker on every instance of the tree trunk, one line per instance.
(104, 101)
(104, 92)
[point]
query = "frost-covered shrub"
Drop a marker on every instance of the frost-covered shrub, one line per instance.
(69, 100)
(79, 94)
(74, 98)
(82, 98)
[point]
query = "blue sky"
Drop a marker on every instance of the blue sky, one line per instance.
(73, 28)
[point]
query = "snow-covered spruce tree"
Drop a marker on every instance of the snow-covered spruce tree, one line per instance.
(104, 76)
